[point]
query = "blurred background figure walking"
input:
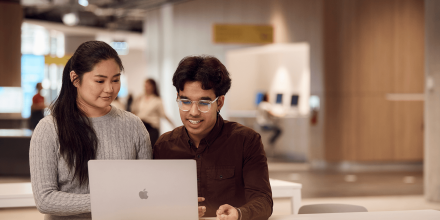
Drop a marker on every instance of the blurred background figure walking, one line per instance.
(266, 119)
(129, 102)
(149, 109)
(37, 108)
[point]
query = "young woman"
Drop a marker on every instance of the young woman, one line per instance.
(82, 126)
(149, 109)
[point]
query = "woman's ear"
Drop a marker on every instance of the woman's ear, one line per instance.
(73, 77)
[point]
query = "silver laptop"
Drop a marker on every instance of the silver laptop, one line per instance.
(143, 189)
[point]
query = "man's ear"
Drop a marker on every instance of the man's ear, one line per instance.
(73, 76)
(221, 102)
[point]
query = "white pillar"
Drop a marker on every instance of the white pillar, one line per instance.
(160, 59)
(432, 101)
(168, 91)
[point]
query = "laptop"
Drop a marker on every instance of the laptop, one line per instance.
(143, 189)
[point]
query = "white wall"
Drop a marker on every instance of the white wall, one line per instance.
(275, 69)
(135, 66)
(73, 42)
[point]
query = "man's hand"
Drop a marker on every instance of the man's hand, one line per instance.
(202, 209)
(227, 212)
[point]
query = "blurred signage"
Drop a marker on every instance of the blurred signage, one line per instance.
(242, 34)
(56, 60)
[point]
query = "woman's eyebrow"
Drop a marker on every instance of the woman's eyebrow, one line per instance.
(118, 74)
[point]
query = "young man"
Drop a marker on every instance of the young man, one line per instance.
(232, 174)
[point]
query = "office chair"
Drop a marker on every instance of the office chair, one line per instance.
(330, 208)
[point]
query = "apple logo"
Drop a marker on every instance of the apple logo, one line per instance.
(143, 194)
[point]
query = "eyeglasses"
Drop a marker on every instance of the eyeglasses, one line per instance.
(203, 105)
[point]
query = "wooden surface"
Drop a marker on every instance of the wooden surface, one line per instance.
(10, 44)
(372, 48)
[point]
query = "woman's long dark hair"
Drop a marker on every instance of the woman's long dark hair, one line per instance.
(76, 136)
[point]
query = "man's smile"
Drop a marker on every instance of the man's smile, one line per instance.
(194, 122)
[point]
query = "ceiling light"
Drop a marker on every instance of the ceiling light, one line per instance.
(70, 19)
(83, 2)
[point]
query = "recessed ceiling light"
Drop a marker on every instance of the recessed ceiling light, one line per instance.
(70, 19)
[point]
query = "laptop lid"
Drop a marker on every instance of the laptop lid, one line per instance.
(143, 189)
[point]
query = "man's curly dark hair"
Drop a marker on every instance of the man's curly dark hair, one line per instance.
(207, 70)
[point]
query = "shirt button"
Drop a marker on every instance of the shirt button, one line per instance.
(221, 176)
(198, 156)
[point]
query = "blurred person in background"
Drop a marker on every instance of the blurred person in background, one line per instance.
(149, 109)
(232, 173)
(129, 102)
(266, 119)
(37, 108)
(82, 126)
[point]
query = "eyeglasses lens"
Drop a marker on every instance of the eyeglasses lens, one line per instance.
(186, 105)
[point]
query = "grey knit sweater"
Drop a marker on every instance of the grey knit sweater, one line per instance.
(121, 136)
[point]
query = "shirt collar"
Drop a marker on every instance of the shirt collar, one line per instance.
(210, 138)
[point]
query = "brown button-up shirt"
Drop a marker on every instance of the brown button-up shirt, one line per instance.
(231, 167)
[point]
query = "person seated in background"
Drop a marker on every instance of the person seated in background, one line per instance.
(266, 120)
(149, 109)
(232, 173)
(37, 108)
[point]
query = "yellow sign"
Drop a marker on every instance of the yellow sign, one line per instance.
(242, 34)
(56, 60)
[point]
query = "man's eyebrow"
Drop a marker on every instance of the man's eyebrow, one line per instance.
(202, 98)
(102, 76)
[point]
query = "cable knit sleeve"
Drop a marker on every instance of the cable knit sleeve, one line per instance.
(143, 144)
(44, 157)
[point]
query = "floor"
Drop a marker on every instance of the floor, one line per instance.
(320, 184)
(377, 191)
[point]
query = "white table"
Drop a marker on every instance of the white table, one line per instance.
(389, 215)
(284, 189)
(16, 195)
(20, 194)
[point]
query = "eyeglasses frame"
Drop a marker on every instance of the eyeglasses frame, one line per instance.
(197, 103)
